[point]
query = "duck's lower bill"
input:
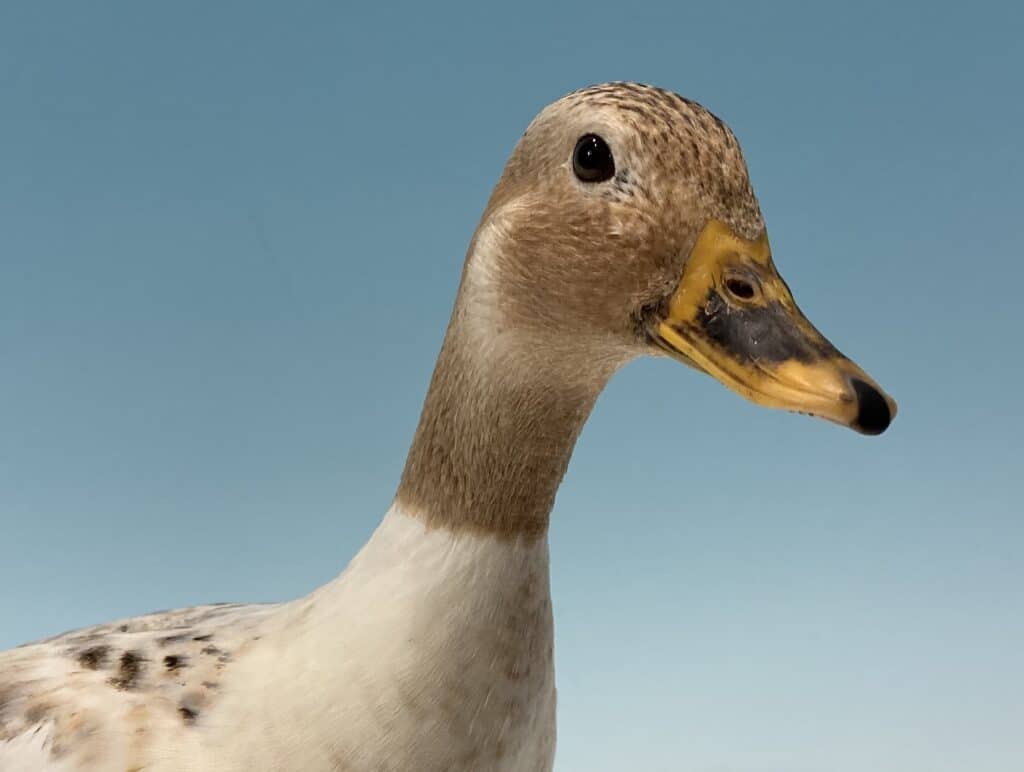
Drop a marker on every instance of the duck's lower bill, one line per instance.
(733, 317)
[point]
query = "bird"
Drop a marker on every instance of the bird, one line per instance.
(624, 224)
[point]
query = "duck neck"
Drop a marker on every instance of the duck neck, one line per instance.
(497, 429)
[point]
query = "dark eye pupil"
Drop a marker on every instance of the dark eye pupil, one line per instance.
(592, 160)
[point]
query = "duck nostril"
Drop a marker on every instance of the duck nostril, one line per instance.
(740, 288)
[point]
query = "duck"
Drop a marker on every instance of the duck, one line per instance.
(624, 224)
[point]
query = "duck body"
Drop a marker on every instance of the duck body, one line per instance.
(440, 655)
(624, 224)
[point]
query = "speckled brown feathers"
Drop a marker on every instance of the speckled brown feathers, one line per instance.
(99, 692)
(554, 290)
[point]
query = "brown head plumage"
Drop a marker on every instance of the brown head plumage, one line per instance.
(618, 245)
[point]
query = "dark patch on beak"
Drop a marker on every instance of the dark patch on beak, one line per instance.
(762, 333)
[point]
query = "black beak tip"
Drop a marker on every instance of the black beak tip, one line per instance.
(873, 414)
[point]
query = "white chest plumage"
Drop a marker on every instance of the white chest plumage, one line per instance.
(432, 651)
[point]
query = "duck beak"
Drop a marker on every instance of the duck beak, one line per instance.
(734, 318)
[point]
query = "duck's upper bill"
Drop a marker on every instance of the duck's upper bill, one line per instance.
(733, 317)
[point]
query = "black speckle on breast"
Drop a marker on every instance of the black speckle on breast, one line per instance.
(94, 657)
(190, 705)
(170, 640)
(223, 657)
(175, 662)
(129, 670)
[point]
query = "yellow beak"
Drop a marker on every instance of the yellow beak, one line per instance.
(733, 317)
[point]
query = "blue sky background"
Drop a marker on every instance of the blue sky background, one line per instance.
(230, 235)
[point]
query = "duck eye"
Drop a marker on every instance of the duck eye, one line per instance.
(740, 288)
(592, 159)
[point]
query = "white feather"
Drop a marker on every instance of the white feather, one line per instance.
(349, 677)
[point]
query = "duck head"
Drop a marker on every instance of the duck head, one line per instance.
(625, 224)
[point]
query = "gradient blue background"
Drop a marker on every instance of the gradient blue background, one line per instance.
(230, 236)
